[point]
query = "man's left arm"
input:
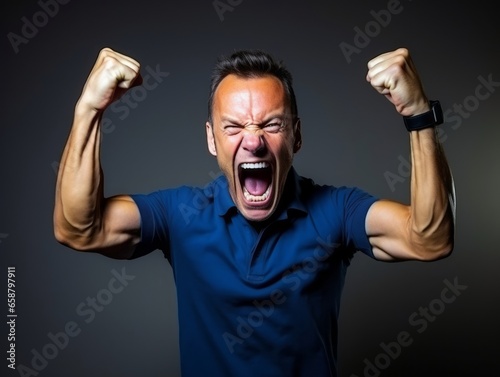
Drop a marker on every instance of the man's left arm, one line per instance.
(423, 230)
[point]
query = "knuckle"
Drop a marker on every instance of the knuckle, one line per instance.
(403, 51)
(109, 61)
(398, 69)
(105, 51)
(400, 60)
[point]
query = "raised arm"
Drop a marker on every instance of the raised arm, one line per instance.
(423, 230)
(83, 219)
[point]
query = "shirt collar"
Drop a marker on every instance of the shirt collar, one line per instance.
(290, 203)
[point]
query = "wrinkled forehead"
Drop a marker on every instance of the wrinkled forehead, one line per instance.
(249, 100)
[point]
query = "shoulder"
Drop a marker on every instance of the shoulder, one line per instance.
(332, 204)
(186, 193)
(310, 191)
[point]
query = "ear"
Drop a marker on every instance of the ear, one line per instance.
(210, 139)
(298, 137)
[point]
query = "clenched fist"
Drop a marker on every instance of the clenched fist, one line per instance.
(394, 75)
(112, 75)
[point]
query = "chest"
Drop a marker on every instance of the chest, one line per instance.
(237, 261)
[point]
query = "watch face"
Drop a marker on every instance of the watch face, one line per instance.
(438, 112)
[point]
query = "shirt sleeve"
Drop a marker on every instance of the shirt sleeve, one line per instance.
(355, 203)
(154, 223)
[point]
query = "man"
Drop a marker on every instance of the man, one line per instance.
(260, 263)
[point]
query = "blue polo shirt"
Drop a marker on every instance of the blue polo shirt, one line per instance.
(257, 301)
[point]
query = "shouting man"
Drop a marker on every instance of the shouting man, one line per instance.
(260, 268)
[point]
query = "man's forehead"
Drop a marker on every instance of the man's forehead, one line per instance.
(254, 97)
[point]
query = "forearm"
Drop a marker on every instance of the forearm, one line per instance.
(432, 195)
(79, 188)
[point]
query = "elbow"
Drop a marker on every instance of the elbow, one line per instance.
(61, 236)
(71, 240)
(442, 252)
(448, 246)
(90, 244)
(74, 236)
(434, 240)
(433, 248)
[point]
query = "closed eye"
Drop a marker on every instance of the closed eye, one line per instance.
(273, 127)
(233, 129)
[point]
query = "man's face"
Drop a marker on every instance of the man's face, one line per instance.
(254, 139)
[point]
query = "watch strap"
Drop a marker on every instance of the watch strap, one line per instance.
(428, 119)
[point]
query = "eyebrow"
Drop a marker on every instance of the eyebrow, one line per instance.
(280, 116)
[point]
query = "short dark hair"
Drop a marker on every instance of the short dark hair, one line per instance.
(252, 64)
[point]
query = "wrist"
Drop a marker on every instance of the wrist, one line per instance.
(426, 119)
(86, 116)
(83, 109)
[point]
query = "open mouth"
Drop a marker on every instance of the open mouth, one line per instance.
(256, 181)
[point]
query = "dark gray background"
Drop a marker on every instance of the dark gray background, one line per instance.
(352, 136)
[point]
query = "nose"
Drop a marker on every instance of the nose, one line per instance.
(253, 142)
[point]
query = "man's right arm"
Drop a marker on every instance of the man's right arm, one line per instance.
(83, 218)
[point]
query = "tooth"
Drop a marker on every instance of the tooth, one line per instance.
(254, 165)
(253, 198)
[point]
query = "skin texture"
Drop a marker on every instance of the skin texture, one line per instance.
(251, 123)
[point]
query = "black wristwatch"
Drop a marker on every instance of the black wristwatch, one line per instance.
(429, 119)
